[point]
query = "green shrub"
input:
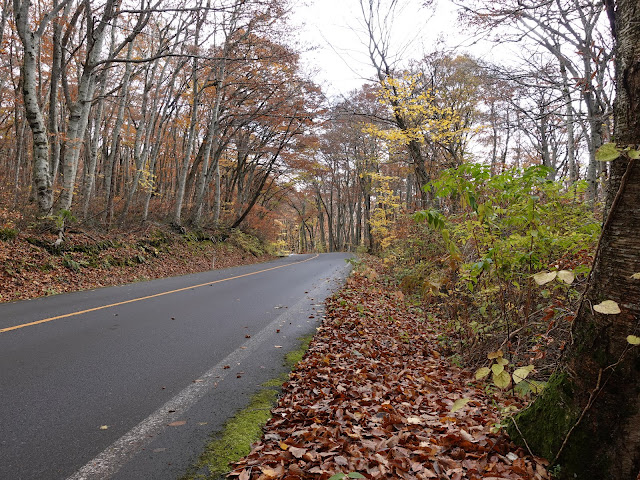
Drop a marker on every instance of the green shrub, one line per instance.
(7, 234)
(474, 259)
(248, 243)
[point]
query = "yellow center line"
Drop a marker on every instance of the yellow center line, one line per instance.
(72, 314)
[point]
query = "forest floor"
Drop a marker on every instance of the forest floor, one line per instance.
(374, 398)
(30, 266)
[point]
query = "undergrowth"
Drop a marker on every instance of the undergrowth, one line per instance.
(473, 261)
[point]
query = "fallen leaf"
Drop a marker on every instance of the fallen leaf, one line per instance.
(458, 404)
(297, 452)
(178, 423)
(104, 427)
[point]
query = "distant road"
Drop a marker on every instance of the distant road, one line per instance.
(128, 382)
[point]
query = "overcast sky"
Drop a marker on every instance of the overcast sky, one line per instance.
(335, 28)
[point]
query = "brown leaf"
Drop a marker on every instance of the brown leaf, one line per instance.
(297, 452)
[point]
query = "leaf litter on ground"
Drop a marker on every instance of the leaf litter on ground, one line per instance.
(373, 395)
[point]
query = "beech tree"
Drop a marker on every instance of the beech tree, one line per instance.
(570, 31)
(588, 417)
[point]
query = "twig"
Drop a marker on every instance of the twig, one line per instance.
(592, 397)
(513, 419)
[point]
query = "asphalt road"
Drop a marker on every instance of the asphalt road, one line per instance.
(91, 382)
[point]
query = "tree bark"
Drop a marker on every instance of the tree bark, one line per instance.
(79, 110)
(30, 42)
(589, 415)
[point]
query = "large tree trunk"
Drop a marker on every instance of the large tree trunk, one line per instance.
(589, 415)
(30, 43)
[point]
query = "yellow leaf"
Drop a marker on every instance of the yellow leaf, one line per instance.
(497, 369)
(493, 355)
(458, 404)
(566, 276)
(482, 372)
(104, 427)
(608, 307)
(502, 380)
(269, 472)
(521, 373)
(542, 278)
(283, 445)
(502, 361)
(635, 276)
(633, 340)
(607, 152)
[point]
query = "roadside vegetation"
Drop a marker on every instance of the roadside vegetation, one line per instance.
(436, 341)
(33, 265)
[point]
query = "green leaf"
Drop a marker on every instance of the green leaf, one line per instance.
(458, 404)
(337, 476)
(355, 475)
(497, 369)
(529, 387)
(521, 373)
(634, 154)
(633, 340)
(502, 361)
(482, 372)
(502, 380)
(607, 152)
(608, 307)
(543, 278)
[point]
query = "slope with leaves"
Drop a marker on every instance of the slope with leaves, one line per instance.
(31, 266)
(374, 396)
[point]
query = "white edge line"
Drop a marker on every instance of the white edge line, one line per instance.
(111, 459)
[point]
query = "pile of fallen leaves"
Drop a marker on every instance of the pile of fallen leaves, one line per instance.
(29, 267)
(373, 396)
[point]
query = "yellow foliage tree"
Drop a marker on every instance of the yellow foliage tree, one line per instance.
(385, 212)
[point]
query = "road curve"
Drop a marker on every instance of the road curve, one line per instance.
(128, 382)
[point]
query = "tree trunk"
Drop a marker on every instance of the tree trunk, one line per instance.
(79, 110)
(595, 403)
(569, 122)
(41, 172)
(115, 134)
